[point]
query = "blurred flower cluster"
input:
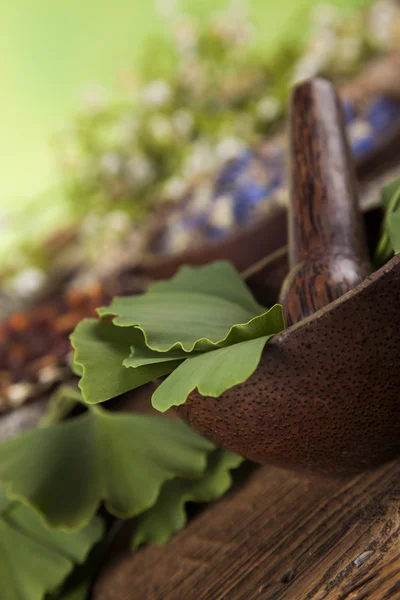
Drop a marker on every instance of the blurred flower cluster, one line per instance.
(205, 94)
(210, 96)
(167, 132)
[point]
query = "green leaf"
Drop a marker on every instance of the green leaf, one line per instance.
(390, 238)
(35, 560)
(167, 325)
(393, 227)
(168, 515)
(143, 355)
(5, 502)
(218, 279)
(199, 309)
(100, 349)
(212, 373)
(65, 471)
(388, 192)
(77, 585)
(60, 405)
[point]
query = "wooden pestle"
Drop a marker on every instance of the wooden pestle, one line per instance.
(328, 253)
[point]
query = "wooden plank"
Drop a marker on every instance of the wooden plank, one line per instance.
(280, 535)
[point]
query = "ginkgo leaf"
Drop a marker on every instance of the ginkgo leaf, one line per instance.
(389, 191)
(61, 403)
(143, 355)
(100, 349)
(212, 373)
(65, 471)
(5, 502)
(77, 585)
(168, 515)
(390, 238)
(218, 279)
(34, 559)
(393, 227)
(182, 314)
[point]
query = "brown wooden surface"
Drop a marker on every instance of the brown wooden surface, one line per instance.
(279, 536)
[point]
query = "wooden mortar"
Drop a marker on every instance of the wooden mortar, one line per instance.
(325, 396)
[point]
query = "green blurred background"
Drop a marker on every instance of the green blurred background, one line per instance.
(50, 49)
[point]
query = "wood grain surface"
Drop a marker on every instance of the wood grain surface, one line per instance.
(328, 253)
(279, 536)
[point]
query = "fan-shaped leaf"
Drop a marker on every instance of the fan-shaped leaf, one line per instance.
(34, 559)
(168, 515)
(100, 349)
(5, 502)
(389, 191)
(218, 279)
(198, 310)
(77, 585)
(67, 470)
(212, 373)
(142, 355)
(60, 405)
(394, 229)
(390, 238)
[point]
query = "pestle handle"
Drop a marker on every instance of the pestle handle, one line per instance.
(328, 251)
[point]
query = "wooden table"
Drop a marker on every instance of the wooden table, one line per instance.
(278, 535)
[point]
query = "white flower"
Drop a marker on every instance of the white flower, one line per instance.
(229, 148)
(308, 66)
(182, 121)
(349, 50)
(50, 374)
(323, 44)
(179, 237)
(91, 225)
(201, 161)
(93, 97)
(156, 93)
(28, 282)
(324, 15)
(165, 8)
(185, 36)
(359, 129)
(382, 16)
(125, 130)
(280, 196)
(238, 11)
(222, 213)
(18, 393)
(175, 189)
(160, 129)
(268, 108)
(110, 163)
(233, 24)
(118, 221)
(5, 221)
(192, 76)
(202, 198)
(139, 170)
(128, 80)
